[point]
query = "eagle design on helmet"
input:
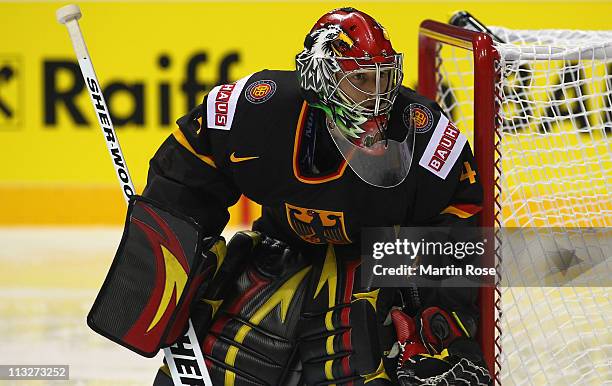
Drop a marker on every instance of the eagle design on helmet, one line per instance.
(315, 68)
(316, 71)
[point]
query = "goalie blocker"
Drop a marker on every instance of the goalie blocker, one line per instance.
(160, 264)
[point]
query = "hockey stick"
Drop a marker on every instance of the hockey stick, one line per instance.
(190, 351)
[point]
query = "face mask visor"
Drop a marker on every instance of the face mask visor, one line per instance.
(380, 161)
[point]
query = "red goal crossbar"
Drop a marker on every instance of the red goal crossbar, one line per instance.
(431, 35)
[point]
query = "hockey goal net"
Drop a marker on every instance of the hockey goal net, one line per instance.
(538, 112)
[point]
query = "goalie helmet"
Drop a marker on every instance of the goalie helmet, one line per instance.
(349, 69)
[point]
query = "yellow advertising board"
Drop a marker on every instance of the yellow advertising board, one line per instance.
(155, 61)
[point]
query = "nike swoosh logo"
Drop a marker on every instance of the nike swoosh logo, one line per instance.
(234, 159)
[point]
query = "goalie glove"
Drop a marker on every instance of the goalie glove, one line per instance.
(437, 349)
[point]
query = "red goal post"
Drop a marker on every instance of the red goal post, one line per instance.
(485, 141)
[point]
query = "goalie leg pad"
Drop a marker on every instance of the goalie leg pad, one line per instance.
(343, 334)
(159, 265)
(252, 337)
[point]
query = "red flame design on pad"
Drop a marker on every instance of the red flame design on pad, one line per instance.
(171, 272)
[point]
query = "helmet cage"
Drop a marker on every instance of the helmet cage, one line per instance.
(388, 74)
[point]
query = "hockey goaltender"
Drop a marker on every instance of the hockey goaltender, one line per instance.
(328, 149)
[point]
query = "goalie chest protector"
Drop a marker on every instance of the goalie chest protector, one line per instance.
(268, 132)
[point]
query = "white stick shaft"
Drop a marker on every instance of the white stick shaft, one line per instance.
(191, 344)
(102, 113)
(76, 37)
(194, 352)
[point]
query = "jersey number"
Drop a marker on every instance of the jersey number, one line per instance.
(468, 174)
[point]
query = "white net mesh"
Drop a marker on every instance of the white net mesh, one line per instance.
(555, 143)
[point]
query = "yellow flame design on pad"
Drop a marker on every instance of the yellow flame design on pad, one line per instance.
(371, 297)
(379, 373)
(283, 296)
(176, 277)
(329, 275)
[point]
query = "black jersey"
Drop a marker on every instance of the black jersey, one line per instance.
(258, 137)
